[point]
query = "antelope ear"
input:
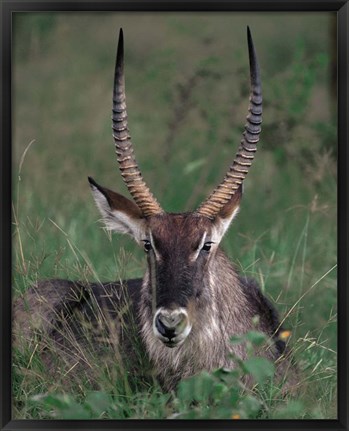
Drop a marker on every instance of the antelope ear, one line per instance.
(226, 215)
(119, 213)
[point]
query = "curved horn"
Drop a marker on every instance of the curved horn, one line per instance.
(248, 146)
(123, 145)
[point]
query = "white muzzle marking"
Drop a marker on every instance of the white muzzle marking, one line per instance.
(171, 326)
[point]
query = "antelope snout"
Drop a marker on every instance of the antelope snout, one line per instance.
(171, 326)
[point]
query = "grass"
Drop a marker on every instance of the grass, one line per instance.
(195, 82)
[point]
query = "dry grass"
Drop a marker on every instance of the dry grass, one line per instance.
(187, 89)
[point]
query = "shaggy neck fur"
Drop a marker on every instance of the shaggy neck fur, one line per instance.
(221, 311)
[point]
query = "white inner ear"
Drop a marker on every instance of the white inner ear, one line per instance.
(117, 220)
(221, 226)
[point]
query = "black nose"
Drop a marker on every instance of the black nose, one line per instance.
(165, 331)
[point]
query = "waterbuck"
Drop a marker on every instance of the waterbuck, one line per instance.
(191, 299)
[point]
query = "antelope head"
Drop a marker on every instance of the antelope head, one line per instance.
(179, 247)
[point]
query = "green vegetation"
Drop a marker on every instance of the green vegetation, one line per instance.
(221, 394)
(187, 89)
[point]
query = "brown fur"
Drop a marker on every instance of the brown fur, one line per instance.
(225, 310)
(225, 306)
(186, 271)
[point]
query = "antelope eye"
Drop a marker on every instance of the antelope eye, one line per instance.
(207, 246)
(147, 245)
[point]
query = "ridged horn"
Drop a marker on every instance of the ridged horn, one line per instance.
(248, 146)
(124, 149)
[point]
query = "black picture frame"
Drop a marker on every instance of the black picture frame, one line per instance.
(11, 6)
